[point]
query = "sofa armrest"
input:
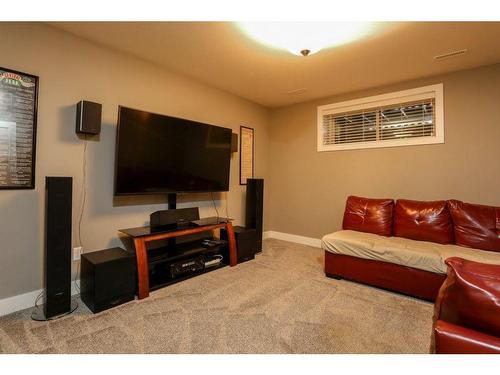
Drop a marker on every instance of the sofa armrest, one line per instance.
(470, 296)
(452, 339)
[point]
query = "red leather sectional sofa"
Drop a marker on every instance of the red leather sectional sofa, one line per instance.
(402, 246)
(467, 310)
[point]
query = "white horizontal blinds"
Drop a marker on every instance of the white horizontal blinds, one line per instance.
(350, 127)
(397, 121)
(402, 118)
(328, 130)
(409, 120)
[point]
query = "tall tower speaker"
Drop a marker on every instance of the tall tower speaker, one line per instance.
(57, 282)
(255, 207)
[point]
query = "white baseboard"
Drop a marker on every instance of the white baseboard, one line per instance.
(24, 301)
(309, 241)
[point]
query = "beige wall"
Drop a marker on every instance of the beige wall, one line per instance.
(72, 69)
(308, 188)
(305, 189)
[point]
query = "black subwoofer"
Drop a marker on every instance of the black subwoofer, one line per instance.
(108, 278)
(57, 278)
(255, 207)
(246, 242)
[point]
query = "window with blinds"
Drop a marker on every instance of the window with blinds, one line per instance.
(404, 118)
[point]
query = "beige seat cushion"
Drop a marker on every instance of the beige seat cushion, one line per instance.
(427, 256)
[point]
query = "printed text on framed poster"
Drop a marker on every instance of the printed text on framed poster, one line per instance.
(18, 113)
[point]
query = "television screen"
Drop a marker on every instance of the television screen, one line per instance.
(163, 154)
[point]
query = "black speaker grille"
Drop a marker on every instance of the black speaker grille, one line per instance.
(58, 215)
(255, 207)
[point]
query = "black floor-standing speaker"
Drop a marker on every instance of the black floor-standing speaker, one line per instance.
(57, 280)
(255, 207)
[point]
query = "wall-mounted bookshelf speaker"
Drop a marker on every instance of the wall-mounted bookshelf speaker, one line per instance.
(234, 142)
(88, 117)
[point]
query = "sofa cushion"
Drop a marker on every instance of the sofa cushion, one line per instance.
(476, 225)
(369, 215)
(423, 255)
(424, 221)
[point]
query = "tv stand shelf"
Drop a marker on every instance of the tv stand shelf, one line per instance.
(143, 235)
(158, 283)
(180, 251)
(161, 258)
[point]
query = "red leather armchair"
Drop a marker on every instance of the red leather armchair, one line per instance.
(467, 310)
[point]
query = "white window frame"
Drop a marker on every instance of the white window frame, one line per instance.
(405, 96)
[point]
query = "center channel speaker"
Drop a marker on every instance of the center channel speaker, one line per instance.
(173, 217)
(57, 279)
(255, 207)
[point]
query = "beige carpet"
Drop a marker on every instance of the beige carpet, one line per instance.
(279, 303)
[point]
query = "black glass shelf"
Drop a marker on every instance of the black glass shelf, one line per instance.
(160, 259)
(160, 280)
(180, 251)
(147, 230)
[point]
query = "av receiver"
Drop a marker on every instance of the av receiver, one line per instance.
(187, 266)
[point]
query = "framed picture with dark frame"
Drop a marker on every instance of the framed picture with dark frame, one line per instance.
(18, 117)
(246, 154)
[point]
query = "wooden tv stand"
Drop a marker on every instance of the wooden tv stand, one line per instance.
(142, 235)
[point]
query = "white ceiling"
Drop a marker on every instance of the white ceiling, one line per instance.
(218, 54)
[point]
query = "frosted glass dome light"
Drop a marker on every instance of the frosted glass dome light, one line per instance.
(305, 38)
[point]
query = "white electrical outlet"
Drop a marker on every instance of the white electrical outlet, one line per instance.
(77, 252)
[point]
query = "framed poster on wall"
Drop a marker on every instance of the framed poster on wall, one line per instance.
(246, 154)
(18, 114)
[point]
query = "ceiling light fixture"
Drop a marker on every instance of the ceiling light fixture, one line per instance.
(305, 38)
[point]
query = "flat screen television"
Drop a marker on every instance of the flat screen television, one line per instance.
(162, 154)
